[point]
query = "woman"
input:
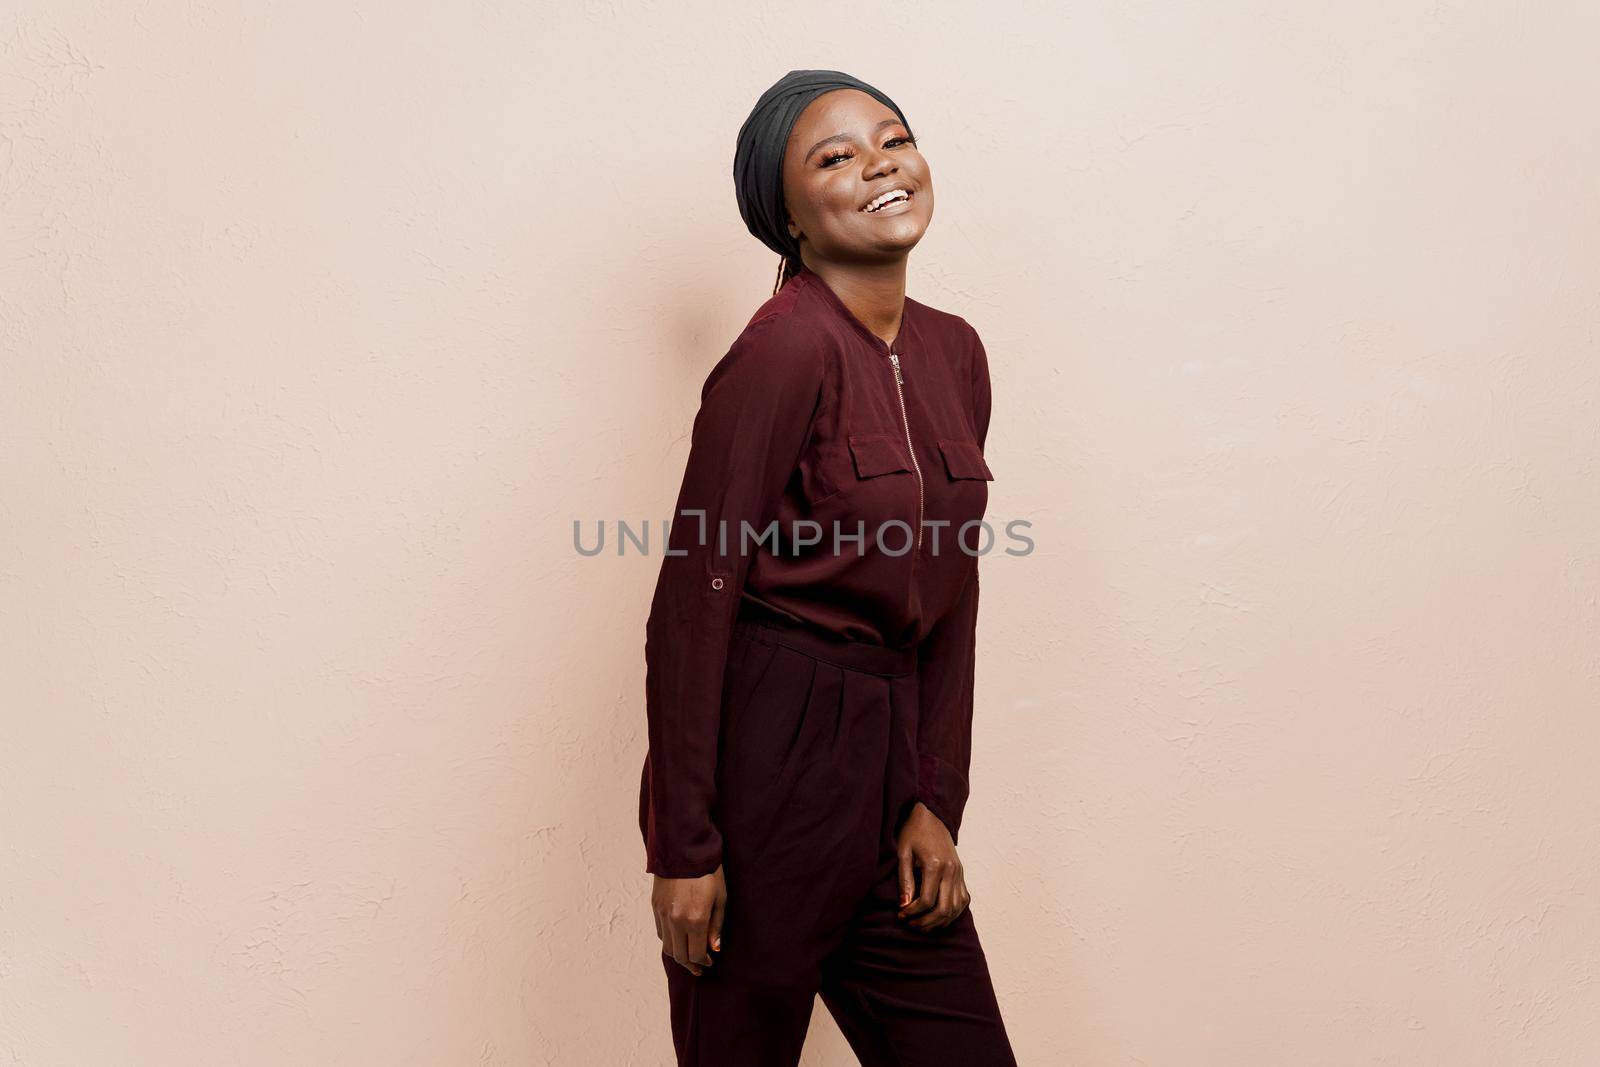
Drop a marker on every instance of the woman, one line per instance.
(809, 649)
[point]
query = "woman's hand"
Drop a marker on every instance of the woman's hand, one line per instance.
(688, 915)
(924, 842)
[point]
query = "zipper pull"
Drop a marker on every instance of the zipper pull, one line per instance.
(895, 361)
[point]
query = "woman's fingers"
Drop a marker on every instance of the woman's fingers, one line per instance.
(908, 878)
(718, 909)
(680, 949)
(933, 873)
(951, 899)
(679, 936)
(941, 913)
(689, 938)
(698, 934)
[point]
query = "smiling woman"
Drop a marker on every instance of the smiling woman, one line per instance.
(803, 134)
(810, 705)
(831, 192)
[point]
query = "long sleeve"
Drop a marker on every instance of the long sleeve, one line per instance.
(754, 421)
(945, 667)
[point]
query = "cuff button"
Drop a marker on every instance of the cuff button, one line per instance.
(716, 583)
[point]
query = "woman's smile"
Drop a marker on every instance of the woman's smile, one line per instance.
(898, 201)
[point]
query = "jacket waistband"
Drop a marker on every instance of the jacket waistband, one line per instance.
(764, 625)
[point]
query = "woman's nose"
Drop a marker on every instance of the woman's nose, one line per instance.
(879, 162)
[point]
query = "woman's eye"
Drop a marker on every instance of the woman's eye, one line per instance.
(829, 160)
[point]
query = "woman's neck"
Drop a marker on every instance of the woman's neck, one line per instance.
(875, 293)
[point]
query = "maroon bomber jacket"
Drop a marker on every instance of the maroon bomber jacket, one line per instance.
(811, 416)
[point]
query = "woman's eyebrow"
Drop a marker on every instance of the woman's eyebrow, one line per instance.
(845, 137)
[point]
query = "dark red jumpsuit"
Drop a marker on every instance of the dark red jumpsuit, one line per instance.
(804, 690)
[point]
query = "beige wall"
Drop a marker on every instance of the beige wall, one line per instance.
(322, 322)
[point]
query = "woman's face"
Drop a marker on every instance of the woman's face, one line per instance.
(846, 149)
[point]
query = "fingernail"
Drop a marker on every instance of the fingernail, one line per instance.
(716, 943)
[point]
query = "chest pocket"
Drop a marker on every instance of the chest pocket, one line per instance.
(879, 453)
(963, 459)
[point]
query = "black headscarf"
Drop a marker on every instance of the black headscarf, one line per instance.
(758, 157)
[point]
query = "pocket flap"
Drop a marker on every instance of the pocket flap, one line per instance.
(963, 459)
(878, 453)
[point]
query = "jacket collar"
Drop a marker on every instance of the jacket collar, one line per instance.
(811, 280)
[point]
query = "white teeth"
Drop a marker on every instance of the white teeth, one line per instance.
(889, 197)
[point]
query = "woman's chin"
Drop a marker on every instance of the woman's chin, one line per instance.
(891, 240)
(900, 243)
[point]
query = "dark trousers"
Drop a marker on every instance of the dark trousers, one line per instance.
(817, 769)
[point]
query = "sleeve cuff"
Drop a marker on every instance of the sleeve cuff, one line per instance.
(674, 855)
(670, 870)
(943, 790)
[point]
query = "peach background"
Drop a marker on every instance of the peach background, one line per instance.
(322, 322)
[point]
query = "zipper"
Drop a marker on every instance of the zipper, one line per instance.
(894, 362)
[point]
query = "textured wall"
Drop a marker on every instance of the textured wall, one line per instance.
(322, 322)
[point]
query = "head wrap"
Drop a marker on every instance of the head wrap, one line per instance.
(758, 157)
